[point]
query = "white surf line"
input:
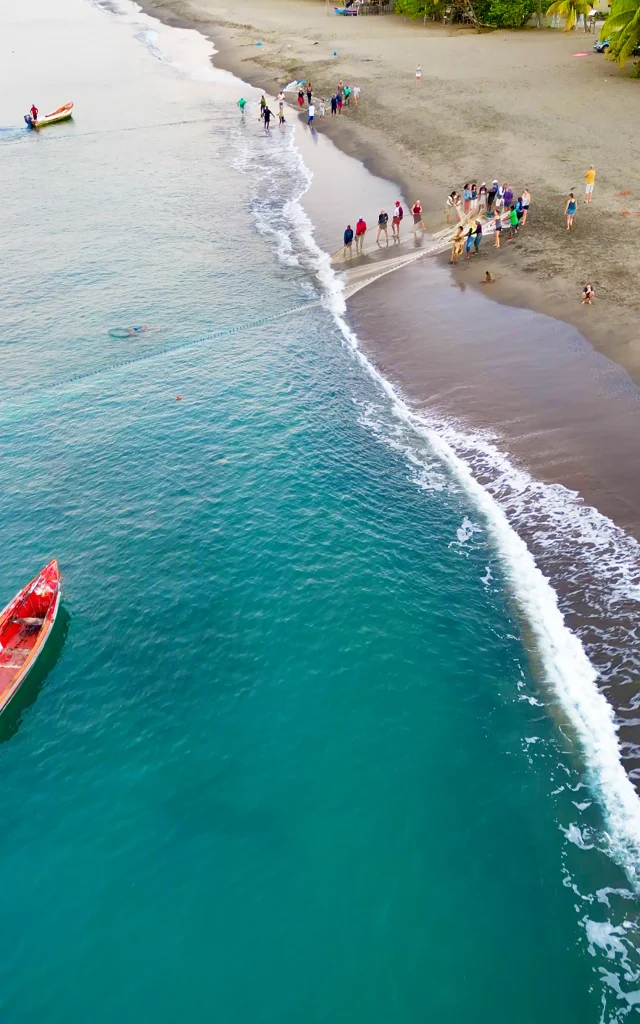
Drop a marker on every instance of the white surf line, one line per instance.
(564, 660)
(566, 667)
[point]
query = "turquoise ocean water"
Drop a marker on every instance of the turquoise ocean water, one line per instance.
(303, 747)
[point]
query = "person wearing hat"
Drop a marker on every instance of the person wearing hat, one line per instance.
(396, 220)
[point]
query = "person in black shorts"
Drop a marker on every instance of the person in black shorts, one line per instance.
(383, 220)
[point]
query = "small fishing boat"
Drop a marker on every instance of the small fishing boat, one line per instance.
(61, 114)
(25, 624)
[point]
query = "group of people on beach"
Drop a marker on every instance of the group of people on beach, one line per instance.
(397, 216)
(342, 97)
(496, 204)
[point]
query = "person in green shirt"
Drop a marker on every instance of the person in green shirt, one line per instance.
(242, 103)
(513, 222)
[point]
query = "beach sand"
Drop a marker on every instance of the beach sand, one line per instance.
(513, 105)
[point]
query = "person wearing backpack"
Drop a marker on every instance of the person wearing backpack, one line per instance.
(396, 220)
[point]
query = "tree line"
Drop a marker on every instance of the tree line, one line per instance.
(622, 26)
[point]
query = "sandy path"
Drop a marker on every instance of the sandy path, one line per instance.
(517, 106)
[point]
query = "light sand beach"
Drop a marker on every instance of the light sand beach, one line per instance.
(518, 106)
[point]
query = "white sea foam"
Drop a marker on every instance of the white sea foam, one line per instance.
(566, 667)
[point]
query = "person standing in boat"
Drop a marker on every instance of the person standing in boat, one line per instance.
(34, 112)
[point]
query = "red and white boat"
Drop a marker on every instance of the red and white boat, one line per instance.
(25, 624)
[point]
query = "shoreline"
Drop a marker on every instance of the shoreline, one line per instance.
(544, 423)
(534, 274)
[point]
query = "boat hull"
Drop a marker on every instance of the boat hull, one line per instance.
(55, 117)
(25, 625)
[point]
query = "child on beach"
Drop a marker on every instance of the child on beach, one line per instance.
(570, 210)
(322, 109)
(588, 295)
(311, 113)
(418, 74)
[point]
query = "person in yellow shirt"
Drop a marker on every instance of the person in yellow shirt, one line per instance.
(589, 182)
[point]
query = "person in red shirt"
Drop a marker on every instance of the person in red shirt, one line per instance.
(361, 228)
(416, 210)
(34, 112)
(396, 220)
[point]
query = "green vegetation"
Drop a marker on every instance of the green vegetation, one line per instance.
(569, 9)
(622, 27)
(498, 13)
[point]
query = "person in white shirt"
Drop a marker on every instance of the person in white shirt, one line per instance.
(356, 94)
(281, 99)
(311, 113)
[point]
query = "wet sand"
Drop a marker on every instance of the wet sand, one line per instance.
(518, 105)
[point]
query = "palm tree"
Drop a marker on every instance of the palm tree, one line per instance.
(571, 10)
(622, 27)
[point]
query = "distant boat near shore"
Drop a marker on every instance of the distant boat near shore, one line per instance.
(25, 625)
(61, 114)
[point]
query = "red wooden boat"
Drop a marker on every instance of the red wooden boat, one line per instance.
(25, 625)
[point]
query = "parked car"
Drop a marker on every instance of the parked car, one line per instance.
(602, 47)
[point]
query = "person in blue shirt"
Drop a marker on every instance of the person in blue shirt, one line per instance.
(348, 240)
